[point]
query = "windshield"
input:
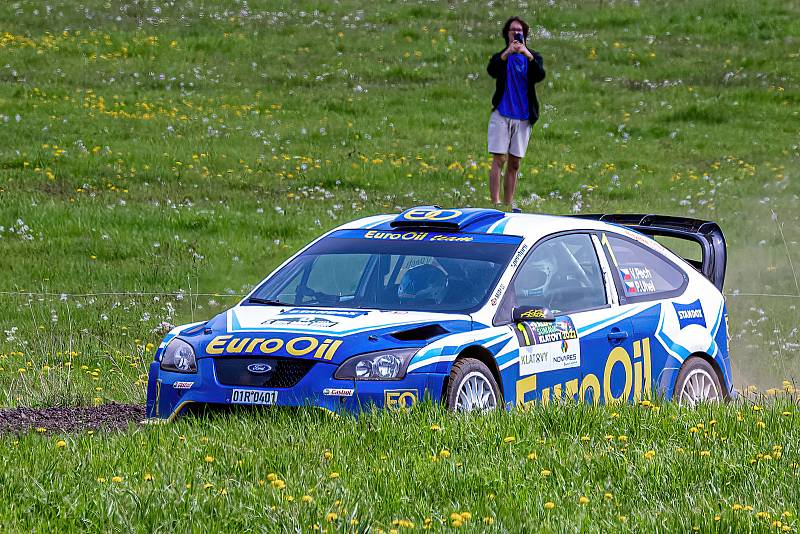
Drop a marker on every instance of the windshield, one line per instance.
(424, 271)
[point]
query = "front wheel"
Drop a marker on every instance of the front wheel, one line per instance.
(697, 382)
(471, 387)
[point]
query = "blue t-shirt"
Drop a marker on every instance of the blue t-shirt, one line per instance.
(514, 103)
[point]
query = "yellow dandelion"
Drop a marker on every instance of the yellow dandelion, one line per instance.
(116, 479)
(435, 428)
(444, 453)
(583, 500)
(327, 455)
(532, 456)
(208, 486)
(546, 472)
(705, 453)
(650, 454)
(608, 496)
(41, 429)
(61, 444)
(549, 505)
(101, 479)
(488, 520)
(334, 475)
(209, 459)
(307, 498)
(331, 517)
(148, 477)
(272, 477)
(278, 484)
(509, 439)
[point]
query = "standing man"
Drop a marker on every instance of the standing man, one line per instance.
(514, 106)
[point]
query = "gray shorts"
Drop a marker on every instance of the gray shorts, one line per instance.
(508, 136)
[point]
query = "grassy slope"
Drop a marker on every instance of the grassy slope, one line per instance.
(140, 144)
(640, 469)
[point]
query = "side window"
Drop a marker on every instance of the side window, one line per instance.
(642, 272)
(562, 274)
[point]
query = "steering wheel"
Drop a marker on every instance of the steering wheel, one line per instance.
(559, 294)
(316, 296)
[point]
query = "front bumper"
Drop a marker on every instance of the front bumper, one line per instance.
(168, 393)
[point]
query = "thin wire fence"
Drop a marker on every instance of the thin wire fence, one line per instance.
(240, 295)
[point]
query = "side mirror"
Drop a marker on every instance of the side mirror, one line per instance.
(532, 313)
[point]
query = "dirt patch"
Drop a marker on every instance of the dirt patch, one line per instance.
(70, 418)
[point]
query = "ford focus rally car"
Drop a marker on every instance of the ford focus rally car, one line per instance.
(474, 308)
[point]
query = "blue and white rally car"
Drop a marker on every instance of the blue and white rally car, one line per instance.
(475, 308)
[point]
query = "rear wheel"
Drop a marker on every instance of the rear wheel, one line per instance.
(697, 382)
(471, 387)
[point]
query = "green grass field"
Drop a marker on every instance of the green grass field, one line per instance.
(157, 159)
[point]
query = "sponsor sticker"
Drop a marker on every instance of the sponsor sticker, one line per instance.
(690, 314)
(519, 255)
(497, 294)
(350, 314)
(550, 356)
(182, 385)
(399, 398)
(305, 320)
(416, 236)
(547, 346)
(338, 392)
(262, 346)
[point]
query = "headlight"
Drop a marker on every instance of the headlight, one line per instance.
(179, 357)
(383, 365)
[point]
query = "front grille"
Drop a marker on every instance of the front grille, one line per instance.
(286, 372)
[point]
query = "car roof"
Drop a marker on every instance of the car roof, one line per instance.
(477, 221)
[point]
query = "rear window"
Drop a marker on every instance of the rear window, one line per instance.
(642, 272)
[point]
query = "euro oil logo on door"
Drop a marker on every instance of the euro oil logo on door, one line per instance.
(624, 375)
(432, 215)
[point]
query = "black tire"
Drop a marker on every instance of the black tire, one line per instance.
(468, 369)
(697, 382)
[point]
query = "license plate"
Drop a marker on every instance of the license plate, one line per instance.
(254, 396)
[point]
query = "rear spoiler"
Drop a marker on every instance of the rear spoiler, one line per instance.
(707, 234)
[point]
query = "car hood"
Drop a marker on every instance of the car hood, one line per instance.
(324, 334)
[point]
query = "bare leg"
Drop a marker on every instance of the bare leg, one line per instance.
(510, 185)
(494, 176)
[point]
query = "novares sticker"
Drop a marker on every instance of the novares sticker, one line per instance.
(550, 356)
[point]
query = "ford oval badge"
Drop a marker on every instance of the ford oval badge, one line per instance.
(259, 368)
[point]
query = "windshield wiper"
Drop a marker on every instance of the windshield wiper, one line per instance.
(267, 302)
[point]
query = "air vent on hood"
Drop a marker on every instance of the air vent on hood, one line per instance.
(194, 330)
(420, 333)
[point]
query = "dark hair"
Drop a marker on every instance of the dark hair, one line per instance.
(507, 26)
